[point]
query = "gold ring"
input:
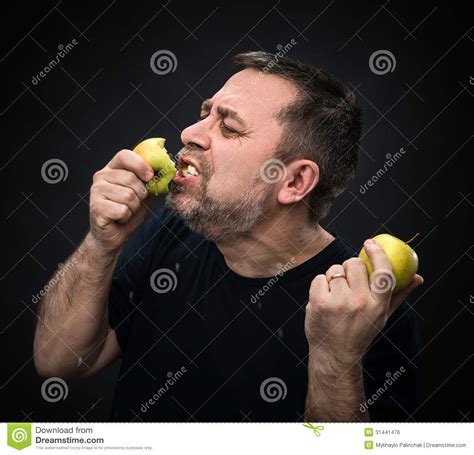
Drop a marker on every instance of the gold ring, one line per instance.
(337, 275)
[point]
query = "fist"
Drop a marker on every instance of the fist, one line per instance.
(117, 199)
(346, 310)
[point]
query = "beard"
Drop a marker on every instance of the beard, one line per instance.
(217, 220)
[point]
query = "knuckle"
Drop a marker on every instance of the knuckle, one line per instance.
(123, 156)
(354, 262)
(98, 175)
(98, 186)
(94, 190)
(93, 209)
(359, 303)
(129, 195)
(123, 153)
(317, 280)
(122, 211)
(129, 179)
(142, 191)
(333, 268)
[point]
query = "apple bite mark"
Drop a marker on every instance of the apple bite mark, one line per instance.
(154, 153)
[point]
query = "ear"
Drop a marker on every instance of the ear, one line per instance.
(301, 177)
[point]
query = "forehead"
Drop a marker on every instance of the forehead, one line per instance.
(255, 95)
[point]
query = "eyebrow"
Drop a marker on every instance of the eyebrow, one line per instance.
(224, 112)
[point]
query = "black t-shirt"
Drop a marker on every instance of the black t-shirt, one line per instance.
(202, 343)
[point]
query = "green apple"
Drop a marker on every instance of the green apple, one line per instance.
(154, 153)
(402, 257)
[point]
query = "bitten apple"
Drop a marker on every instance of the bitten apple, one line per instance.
(154, 153)
(402, 257)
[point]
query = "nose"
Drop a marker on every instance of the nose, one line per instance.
(196, 134)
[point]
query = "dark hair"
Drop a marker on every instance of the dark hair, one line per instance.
(323, 124)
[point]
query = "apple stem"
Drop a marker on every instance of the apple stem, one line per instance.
(413, 238)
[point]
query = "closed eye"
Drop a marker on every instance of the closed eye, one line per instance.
(227, 130)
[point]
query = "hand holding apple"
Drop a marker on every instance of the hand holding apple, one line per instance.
(345, 313)
(402, 257)
(118, 200)
(154, 153)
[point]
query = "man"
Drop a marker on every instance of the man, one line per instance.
(233, 303)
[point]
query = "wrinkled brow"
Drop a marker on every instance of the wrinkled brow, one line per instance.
(224, 112)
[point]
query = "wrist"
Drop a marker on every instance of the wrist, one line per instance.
(334, 365)
(96, 254)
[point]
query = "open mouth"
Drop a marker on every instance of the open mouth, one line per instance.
(188, 167)
(188, 170)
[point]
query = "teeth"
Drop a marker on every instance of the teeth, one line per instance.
(192, 170)
(188, 169)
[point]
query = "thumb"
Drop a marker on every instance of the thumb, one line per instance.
(399, 297)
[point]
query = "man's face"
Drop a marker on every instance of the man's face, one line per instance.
(237, 133)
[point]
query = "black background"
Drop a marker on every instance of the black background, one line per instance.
(104, 97)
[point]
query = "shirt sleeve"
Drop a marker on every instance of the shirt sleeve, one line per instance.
(130, 275)
(392, 369)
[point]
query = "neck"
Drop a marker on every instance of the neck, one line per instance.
(276, 243)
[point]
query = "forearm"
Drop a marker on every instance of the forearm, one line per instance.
(335, 390)
(73, 317)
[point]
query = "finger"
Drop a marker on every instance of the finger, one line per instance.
(131, 161)
(399, 297)
(356, 273)
(113, 211)
(127, 179)
(382, 283)
(319, 288)
(138, 218)
(382, 279)
(336, 284)
(120, 194)
(377, 256)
